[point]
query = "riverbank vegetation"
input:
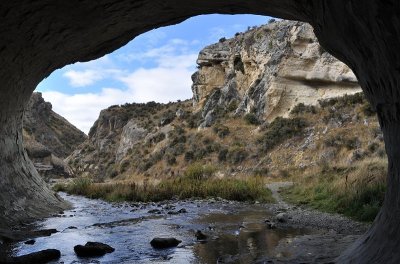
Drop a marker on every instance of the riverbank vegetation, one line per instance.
(333, 151)
(198, 181)
(356, 191)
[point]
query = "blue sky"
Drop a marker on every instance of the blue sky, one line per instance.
(155, 66)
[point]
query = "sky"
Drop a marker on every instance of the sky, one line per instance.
(155, 66)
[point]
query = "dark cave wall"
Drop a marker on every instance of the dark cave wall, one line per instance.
(39, 37)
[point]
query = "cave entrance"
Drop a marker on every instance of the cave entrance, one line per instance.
(41, 37)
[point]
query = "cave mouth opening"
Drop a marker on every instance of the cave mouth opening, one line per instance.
(57, 41)
(233, 107)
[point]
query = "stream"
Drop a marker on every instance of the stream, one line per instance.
(237, 232)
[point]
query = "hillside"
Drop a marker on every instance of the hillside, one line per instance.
(242, 84)
(49, 138)
(268, 103)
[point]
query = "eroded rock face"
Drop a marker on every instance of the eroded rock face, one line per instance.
(49, 138)
(39, 37)
(48, 128)
(267, 71)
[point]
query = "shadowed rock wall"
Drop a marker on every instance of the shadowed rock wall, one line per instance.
(41, 36)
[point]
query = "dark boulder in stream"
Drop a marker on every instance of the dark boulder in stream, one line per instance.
(40, 257)
(160, 243)
(93, 249)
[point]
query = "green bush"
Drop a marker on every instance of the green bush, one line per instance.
(339, 141)
(198, 171)
(281, 129)
(123, 166)
(189, 156)
(221, 130)
(251, 119)
(222, 154)
(232, 106)
(302, 108)
(367, 109)
(171, 160)
(111, 172)
(238, 64)
(346, 100)
(237, 155)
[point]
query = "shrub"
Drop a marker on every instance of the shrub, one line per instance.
(222, 154)
(236, 155)
(111, 172)
(238, 64)
(197, 171)
(189, 156)
(171, 160)
(367, 109)
(281, 129)
(302, 108)
(339, 141)
(232, 106)
(346, 100)
(194, 120)
(263, 171)
(221, 130)
(123, 166)
(357, 191)
(251, 119)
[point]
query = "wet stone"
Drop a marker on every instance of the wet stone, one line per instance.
(93, 249)
(160, 243)
(200, 236)
(30, 242)
(43, 256)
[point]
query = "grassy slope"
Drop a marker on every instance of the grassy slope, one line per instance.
(334, 152)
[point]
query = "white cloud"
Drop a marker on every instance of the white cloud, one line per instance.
(88, 73)
(82, 78)
(83, 109)
(169, 80)
(173, 48)
(159, 84)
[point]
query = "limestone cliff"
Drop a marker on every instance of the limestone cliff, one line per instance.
(267, 71)
(49, 138)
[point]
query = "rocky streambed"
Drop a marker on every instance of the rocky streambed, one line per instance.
(211, 231)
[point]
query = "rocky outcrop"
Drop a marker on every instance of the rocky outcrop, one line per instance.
(49, 138)
(113, 136)
(268, 70)
(48, 128)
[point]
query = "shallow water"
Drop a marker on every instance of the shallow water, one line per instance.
(236, 232)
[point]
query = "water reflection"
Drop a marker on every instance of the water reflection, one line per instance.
(246, 243)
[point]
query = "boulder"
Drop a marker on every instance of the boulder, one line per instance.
(200, 236)
(43, 256)
(160, 243)
(93, 249)
(282, 217)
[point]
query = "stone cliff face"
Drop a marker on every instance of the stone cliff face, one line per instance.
(116, 132)
(49, 138)
(45, 126)
(267, 71)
